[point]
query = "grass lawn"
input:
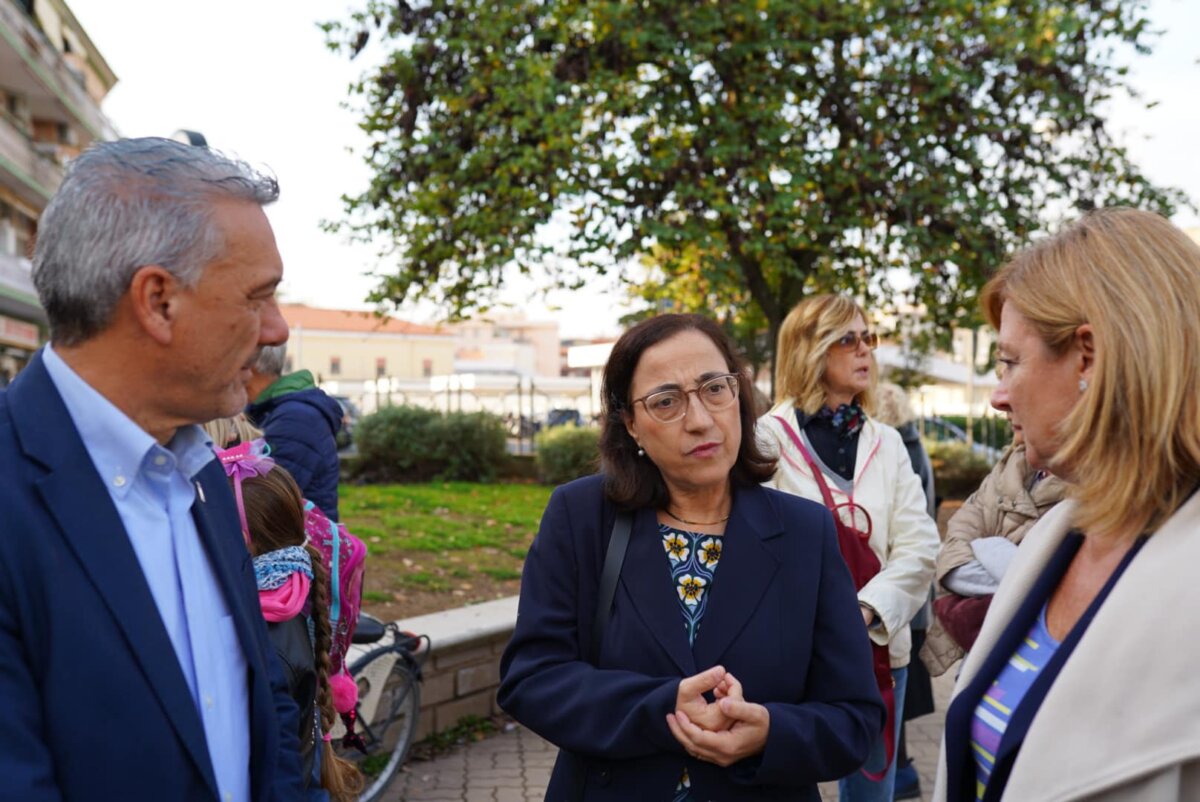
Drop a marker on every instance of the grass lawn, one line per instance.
(442, 545)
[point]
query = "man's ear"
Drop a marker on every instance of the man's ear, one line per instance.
(154, 299)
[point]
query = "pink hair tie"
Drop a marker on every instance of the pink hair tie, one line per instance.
(242, 462)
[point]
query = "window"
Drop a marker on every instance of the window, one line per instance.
(427, 367)
(335, 366)
(380, 367)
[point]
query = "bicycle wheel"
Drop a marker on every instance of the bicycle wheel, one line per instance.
(389, 703)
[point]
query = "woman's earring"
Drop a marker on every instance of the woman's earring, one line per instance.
(1083, 385)
(641, 451)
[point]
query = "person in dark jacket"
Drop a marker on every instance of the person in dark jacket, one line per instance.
(300, 423)
(894, 409)
(722, 577)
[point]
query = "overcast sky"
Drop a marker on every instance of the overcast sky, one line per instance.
(256, 78)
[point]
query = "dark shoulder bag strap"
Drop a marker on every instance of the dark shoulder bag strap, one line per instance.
(614, 557)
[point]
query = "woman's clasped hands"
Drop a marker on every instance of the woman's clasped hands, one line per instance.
(724, 730)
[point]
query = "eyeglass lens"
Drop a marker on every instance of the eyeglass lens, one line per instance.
(851, 339)
(716, 394)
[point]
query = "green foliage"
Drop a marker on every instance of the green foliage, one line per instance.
(567, 452)
(395, 444)
(679, 286)
(443, 516)
(441, 536)
(759, 150)
(957, 469)
(471, 445)
(994, 430)
(414, 444)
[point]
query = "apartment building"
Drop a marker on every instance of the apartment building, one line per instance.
(52, 79)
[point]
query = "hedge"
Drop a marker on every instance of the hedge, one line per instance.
(567, 452)
(414, 444)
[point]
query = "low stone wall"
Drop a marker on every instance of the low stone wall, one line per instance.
(463, 669)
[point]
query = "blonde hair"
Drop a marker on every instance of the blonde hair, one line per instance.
(802, 351)
(226, 432)
(892, 405)
(1131, 445)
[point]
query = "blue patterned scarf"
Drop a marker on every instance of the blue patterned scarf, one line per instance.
(272, 569)
(846, 420)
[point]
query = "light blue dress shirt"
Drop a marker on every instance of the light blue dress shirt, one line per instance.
(153, 491)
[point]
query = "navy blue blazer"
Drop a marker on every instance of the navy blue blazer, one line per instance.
(783, 617)
(95, 704)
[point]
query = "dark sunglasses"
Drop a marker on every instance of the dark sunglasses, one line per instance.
(850, 340)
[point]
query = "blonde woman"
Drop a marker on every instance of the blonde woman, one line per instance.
(1081, 682)
(831, 451)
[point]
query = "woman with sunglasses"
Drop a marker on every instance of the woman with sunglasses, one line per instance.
(729, 661)
(830, 451)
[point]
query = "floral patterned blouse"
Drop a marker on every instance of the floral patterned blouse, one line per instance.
(693, 557)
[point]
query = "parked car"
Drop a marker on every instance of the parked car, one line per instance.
(350, 416)
(563, 417)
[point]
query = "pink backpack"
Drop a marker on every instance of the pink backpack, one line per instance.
(344, 557)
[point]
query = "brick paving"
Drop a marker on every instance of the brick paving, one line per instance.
(515, 765)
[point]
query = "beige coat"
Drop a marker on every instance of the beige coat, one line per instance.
(1122, 720)
(903, 536)
(1002, 506)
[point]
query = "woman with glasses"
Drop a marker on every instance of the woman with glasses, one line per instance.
(832, 452)
(720, 655)
(1082, 682)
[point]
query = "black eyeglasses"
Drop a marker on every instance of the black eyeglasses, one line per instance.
(668, 406)
(850, 340)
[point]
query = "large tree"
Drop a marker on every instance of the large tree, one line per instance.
(766, 149)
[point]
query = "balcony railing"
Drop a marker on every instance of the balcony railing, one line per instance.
(37, 177)
(52, 71)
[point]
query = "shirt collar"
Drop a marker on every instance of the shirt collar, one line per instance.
(117, 446)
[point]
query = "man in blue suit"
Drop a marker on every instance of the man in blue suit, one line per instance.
(134, 661)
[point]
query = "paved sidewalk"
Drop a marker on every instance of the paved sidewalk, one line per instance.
(516, 765)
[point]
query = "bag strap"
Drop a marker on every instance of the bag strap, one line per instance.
(335, 587)
(335, 576)
(879, 654)
(614, 557)
(817, 476)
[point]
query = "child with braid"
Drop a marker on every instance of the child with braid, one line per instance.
(293, 588)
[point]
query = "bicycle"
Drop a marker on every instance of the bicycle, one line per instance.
(389, 703)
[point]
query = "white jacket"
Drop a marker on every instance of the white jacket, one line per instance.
(903, 536)
(1122, 719)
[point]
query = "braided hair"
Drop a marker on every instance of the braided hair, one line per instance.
(275, 518)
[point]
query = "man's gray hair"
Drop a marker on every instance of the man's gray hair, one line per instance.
(270, 360)
(124, 205)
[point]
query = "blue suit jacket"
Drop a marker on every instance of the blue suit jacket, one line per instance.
(95, 704)
(783, 617)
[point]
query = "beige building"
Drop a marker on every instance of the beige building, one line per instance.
(347, 349)
(52, 79)
(508, 344)
(508, 366)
